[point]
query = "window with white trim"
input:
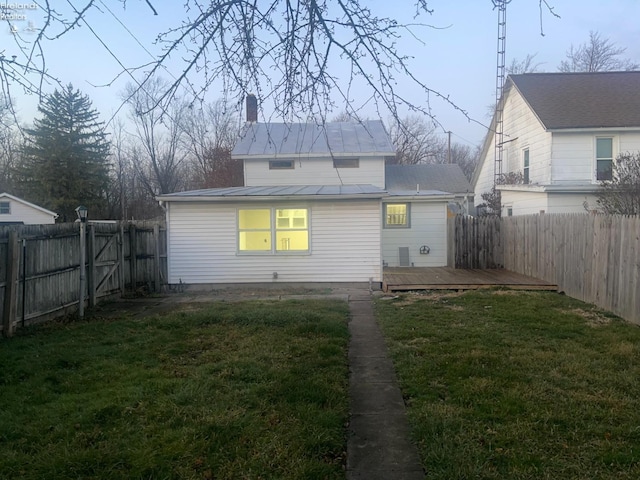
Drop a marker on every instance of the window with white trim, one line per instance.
(273, 230)
(525, 168)
(5, 208)
(346, 162)
(604, 158)
(281, 165)
(397, 215)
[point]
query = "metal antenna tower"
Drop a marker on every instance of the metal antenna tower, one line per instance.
(501, 5)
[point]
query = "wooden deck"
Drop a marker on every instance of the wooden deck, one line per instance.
(445, 278)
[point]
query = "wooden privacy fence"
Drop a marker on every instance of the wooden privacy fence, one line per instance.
(474, 242)
(594, 258)
(40, 267)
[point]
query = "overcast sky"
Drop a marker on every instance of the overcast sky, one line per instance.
(456, 58)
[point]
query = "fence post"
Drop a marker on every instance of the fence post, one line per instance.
(11, 289)
(156, 255)
(133, 250)
(91, 258)
(121, 260)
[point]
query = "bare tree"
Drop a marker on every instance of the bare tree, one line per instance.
(621, 194)
(596, 55)
(160, 154)
(290, 52)
(526, 65)
(415, 140)
(9, 148)
(210, 133)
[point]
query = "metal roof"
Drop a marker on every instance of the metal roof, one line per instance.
(334, 138)
(443, 178)
(582, 100)
(296, 191)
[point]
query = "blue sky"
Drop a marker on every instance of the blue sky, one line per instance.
(456, 58)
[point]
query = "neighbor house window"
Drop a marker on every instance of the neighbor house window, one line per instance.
(281, 165)
(5, 208)
(525, 169)
(346, 163)
(604, 158)
(273, 230)
(396, 215)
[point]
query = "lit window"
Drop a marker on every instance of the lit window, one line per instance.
(604, 158)
(346, 163)
(526, 166)
(254, 230)
(289, 232)
(5, 208)
(396, 215)
(281, 165)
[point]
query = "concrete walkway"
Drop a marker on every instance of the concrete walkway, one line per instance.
(378, 447)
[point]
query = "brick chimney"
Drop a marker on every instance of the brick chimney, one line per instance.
(252, 108)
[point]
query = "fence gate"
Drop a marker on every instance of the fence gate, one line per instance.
(105, 260)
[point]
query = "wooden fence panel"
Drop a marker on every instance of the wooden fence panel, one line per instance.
(48, 283)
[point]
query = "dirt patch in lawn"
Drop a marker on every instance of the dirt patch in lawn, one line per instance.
(592, 318)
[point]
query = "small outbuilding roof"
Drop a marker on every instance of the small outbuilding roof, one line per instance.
(28, 204)
(277, 192)
(425, 178)
(334, 138)
(582, 100)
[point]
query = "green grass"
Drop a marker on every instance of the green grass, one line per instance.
(517, 385)
(243, 390)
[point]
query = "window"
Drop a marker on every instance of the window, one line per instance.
(346, 163)
(281, 165)
(273, 230)
(396, 215)
(5, 208)
(525, 169)
(604, 158)
(509, 211)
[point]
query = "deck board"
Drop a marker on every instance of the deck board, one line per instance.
(445, 278)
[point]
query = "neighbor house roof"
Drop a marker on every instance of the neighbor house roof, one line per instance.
(29, 204)
(444, 178)
(582, 100)
(277, 192)
(334, 138)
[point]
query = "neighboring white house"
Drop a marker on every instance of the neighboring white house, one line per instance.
(562, 131)
(313, 209)
(14, 210)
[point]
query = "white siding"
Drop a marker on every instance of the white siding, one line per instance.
(573, 156)
(314, 171)
(428, 227)
(344, 240)
(25, 213)
(523, 203)
(570, 202)
(522, 130)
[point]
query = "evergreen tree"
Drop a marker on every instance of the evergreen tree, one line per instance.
(65, 161)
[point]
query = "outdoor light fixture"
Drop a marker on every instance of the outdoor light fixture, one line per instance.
(82, 211)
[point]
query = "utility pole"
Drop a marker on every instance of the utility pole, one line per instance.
(449, 148)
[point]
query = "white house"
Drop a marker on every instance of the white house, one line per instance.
(313, 209)
(14, 210)
(562, 132)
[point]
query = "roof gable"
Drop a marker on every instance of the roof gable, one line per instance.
(582, 100)
(28, 204)
(334, 138)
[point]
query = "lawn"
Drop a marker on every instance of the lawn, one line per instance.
(243, 390)
(517, 385)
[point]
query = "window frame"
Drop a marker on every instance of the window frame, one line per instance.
(273, 229)
(277, 164)
(599, 159)
(407, 224)
(347, 162)
(526, 166)
(8, 208)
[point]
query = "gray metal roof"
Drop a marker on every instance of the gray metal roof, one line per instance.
(335, 138)
(582, 100)
(278, 191)
(443, 178)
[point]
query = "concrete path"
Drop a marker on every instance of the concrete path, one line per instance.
(378, 447)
